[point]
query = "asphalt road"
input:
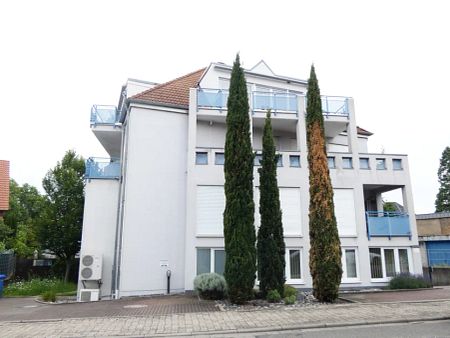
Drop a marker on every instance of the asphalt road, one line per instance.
(414, 329)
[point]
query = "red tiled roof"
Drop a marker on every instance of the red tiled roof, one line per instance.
(364, 132)
(4, 185)
(175, 92)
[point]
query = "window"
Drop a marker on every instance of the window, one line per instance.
(294, 161)
(331, 163)
(279, 160)
(349, 265)
(364, 163)
(381, 164)
(347, 163)
(293, 264)
(210, 260)
(220, 159)
(387, 262)
(258, 159)
(397, 164)
(201, 157)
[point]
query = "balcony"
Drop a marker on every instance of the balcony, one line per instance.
(102, 168)
(275, 101)
(104, 115)
(387, 224)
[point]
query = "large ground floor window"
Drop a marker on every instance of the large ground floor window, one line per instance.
(387, 262)
(294, 265)
(210, 260)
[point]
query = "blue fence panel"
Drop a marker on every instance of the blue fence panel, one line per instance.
(438, 253)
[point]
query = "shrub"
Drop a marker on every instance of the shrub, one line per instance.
(273, 296)
(408, 281)
(49, 296)
(210, 286)
(290, 291)
(290, 300)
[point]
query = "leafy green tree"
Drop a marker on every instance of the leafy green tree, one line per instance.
(270, 247)
(18, 230)
(239, 230)
(61, 232)
(325, 252)
(443, 197)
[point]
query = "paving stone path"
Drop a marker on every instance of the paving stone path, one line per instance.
(229, 322)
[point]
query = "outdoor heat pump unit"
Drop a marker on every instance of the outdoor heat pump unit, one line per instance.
(89, 295)
(91, 267)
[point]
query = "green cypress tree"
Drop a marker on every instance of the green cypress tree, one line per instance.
(270, 246)
(443, 197)
(239, 229)
(325, 252)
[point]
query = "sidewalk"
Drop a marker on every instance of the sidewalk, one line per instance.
(230, 322)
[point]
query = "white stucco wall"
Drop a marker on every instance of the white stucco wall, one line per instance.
(155, 200)
(99, 227)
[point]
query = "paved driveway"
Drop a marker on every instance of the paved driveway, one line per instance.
(17, 309)
(437, 293)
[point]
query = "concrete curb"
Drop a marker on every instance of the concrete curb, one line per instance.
(297, 327)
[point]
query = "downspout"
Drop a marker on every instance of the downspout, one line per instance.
(119, 224)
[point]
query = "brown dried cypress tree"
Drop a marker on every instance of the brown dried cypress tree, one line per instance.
(325, 252)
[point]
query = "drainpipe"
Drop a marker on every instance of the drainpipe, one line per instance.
(119, 225)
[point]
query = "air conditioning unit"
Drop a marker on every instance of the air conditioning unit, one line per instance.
(89, 295)
(90, 267)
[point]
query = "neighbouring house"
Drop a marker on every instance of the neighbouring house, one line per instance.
(4, 186)
(434, 240)
(154, 208)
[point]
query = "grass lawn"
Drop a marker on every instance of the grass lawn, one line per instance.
(37, 287)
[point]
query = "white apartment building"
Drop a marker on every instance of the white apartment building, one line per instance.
(157, 203)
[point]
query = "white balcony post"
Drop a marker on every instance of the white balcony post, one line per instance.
(352, 132)
(301, 131)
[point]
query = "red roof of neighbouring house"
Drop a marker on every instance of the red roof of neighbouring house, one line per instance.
(175, 92)
(4, 185)
(362, 131)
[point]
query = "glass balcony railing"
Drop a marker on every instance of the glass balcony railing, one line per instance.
(102, 168)
(335, 105)
(387, 224)
(274, 101)
(212, 98)
(104, 115)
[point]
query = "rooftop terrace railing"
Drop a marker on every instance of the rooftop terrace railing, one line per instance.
(275, 101)
(387, 224)
(102, 168)
(104, 115)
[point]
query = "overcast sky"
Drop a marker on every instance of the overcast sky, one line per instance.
(57, 58)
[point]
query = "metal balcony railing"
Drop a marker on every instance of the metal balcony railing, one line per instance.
(387, 224)
(102, 168)
(104, 115)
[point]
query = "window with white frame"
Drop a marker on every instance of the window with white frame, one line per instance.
(350, 269)
(331, 162)
(201, 157)
(381, 164)
(220, 159)
(364, 163)
(210, 260)
(210, 207)
(293, 265)
(387, 262)
(347, 163)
